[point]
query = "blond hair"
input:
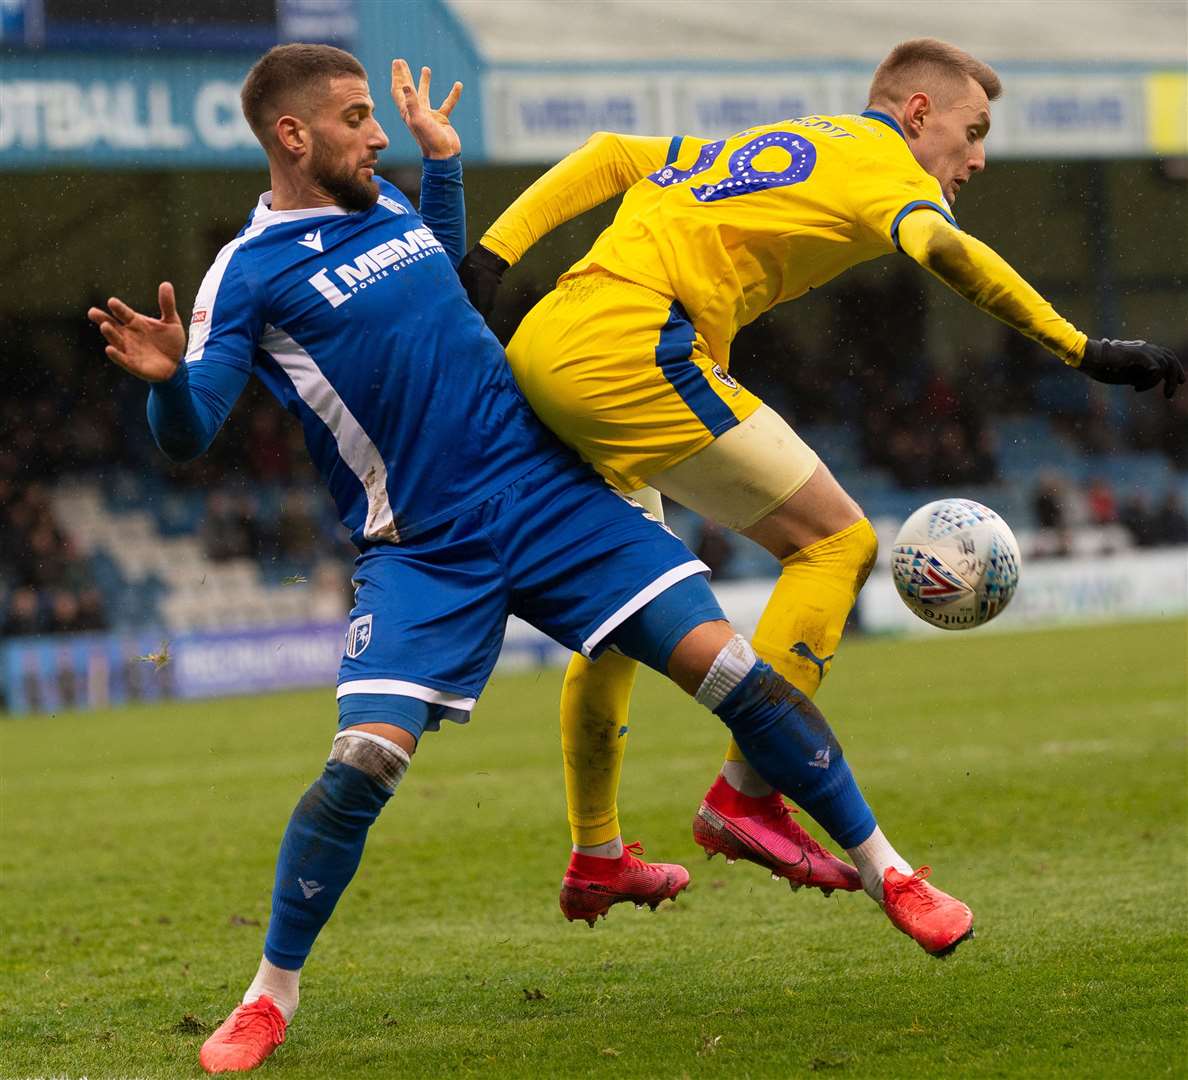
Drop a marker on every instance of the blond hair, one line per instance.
(931, 66)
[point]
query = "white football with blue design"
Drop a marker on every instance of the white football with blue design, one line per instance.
(955, 563)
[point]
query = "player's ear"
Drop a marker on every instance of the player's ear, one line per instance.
(919, 105)
(292, 135)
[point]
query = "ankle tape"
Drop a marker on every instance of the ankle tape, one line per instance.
(377, 757)
(729, 668)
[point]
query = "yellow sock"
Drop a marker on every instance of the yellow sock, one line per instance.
(595, 699)
(802, 624)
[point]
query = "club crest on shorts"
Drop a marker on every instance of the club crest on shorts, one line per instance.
(723, 377)
(358, 636)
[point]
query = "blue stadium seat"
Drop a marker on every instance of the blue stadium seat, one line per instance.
(179, 513)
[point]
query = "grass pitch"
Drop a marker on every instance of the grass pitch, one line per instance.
(1042, 775)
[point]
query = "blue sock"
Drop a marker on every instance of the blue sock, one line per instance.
(318, 857)
(790, 744)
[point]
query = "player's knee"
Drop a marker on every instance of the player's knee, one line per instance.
(848, 555)
(379, 759)
(863, 550)
(813, 516)
(653, 634)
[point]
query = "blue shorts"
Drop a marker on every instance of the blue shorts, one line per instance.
(558, 547)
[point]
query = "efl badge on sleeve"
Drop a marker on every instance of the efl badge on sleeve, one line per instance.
(358, 636)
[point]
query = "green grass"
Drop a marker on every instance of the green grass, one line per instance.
(1043, 775)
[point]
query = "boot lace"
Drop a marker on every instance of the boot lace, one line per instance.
(635, 850)
(781, 810)
(259, 1015)
(924, 897)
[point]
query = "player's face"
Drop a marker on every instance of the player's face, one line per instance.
(347, 139)
(950, 142)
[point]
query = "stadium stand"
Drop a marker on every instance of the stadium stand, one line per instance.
(102, 537)
(110, 536)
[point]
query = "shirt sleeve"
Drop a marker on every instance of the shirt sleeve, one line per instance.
(186, 411)
(443, 204)
(888, 200)
(606, 165)
(986, 280)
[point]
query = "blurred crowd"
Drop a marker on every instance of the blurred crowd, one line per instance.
(48, 584)
(1060, 505)
(67, 412)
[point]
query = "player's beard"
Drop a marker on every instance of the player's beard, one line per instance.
(349, 189)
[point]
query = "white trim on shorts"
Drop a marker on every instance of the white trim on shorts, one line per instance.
(406, 689)
(647, 594)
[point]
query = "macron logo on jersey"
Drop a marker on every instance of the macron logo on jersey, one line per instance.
(377, 263)
(312, 240)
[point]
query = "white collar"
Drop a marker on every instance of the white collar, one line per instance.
(264, 211)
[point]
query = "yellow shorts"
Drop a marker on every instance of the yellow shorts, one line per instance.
(619, 372)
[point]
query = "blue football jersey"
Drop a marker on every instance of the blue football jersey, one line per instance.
(357, 323)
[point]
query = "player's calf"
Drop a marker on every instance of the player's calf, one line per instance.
(319, 854)
(324, 840)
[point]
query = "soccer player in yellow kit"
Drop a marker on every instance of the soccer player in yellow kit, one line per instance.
(628, 360)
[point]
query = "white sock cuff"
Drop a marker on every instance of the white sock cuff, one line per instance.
(729, 668)
(380, 758)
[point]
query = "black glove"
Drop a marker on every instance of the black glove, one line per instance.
(1132, 363)
(481, 274)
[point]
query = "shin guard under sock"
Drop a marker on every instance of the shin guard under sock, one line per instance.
(787, 741)
(318, 857)
(802, 623)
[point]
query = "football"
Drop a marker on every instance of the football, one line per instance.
(955, 563)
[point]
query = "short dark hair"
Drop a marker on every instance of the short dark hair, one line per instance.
(913, 65)
(284, 75)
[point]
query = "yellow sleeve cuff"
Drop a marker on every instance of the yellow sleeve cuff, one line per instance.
(492, 243)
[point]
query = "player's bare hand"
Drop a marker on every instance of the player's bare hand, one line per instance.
(148, 348)
(429, 126)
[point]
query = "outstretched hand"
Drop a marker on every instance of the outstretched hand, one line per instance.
(1133, 363)
(429, 126)
(148, 348)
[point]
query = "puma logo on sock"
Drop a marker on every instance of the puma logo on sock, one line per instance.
(801, 649)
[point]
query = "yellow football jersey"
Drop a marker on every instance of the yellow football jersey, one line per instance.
(732, 227)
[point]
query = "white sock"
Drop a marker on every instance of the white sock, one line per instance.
(872, 857)
(745, 780)
(729, 668)
(280, 984)
(612, 849)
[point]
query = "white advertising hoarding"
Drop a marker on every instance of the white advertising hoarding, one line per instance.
(1131, 585)
(530, 116)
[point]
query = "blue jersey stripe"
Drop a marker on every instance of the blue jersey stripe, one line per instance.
(674, 149)
(919, 204)
(883, 118)
(674, 355)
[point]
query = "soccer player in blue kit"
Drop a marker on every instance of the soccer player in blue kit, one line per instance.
(343, 300)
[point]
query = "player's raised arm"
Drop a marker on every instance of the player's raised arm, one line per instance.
(442, 202)
(430, 127)
(984, 278)
(604, 166)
